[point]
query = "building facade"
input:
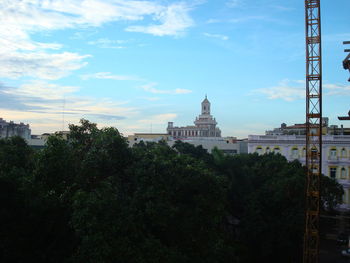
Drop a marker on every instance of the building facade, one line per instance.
(300, 129)
(335, 155)
(204, 125)
(9, 129)
(228, 145)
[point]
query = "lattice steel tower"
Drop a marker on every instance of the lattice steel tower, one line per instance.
(313, 129)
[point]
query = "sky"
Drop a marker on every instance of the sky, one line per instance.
(136, 65)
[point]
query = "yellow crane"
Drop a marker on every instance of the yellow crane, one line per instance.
(313, 129)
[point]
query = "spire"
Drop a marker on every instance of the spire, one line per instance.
(205, 99)
(206, 106)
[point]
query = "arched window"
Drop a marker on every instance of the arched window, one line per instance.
(333, 172)
(303, 152)
(343, 173)
(259, 150)
(333, 154)
(295, 152)
(277, 150)
(343, 153)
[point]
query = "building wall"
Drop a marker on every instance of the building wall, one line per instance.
(335, 154)
(147, 137)
(10, 129)
(229, 145)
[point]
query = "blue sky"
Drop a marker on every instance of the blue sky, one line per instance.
(136, 65)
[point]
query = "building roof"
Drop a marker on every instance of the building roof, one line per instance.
(300, 126)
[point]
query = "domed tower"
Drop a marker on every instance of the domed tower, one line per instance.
(205, 123)
(205, 106)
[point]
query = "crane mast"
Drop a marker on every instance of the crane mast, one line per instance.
(313, 129)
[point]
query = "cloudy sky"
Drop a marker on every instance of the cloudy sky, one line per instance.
(136, 65)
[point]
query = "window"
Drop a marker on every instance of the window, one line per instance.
(295, 152)
(333, 154)
(343, 153)
(314, 169)
(230, 151)
(304, 152)
(343, 173)
(333, 172)
(267, 150)
(276, 150)
(259, 150)
(314, 153)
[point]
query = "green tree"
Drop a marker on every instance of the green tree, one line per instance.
(331, 193)
(266, 193)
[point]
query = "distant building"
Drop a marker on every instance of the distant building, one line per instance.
(10, 129)
(205, 125)
(204, 133)
(147, 137)
(300, 129)
(39, 141)
(229, 145)
(290, 142)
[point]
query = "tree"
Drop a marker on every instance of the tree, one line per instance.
(266, 193)
(331, 193)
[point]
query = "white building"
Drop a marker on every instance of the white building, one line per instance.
(10, 129)
(229, 145)
(204, 125)
(335, 155)
(204, 133)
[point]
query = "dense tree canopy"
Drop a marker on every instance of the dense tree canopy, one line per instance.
(91, 198)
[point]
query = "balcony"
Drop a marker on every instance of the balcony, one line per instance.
(333, 158)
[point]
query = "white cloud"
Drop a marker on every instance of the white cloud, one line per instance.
(234, 3)
(150, 88)
(290, 90)
(284, 90)
(19, 19)
(160, 118)
(335, 89)
(218, 36)
(338, 37)
(39, 64)
(108, 75)
(182, 91)
(43, 90)
(282, 8)
(174, 20)
(151, 98)
(44, 105)
(108, 43)
(213, 21)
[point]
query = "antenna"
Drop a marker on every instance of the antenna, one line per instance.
(63, 111)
